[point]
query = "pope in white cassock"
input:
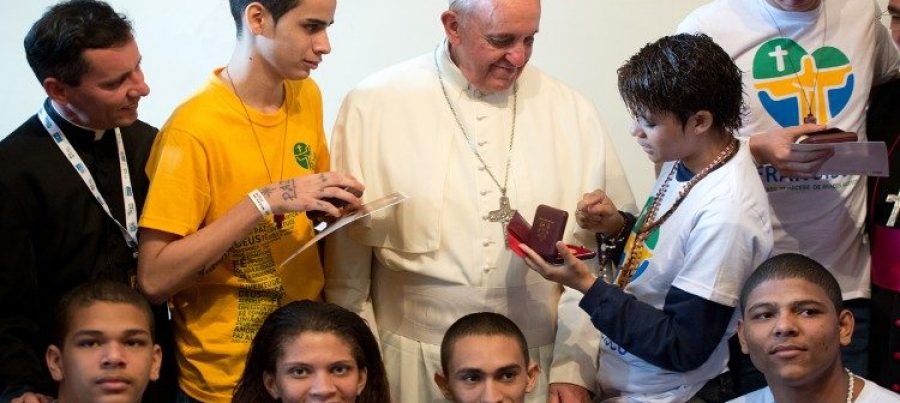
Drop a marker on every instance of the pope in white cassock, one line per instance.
(468, 131)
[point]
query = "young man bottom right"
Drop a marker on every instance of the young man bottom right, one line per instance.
(793, 327)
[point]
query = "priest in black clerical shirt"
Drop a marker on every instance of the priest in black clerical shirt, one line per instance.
(72, 185)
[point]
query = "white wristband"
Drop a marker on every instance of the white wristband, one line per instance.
(260, 201)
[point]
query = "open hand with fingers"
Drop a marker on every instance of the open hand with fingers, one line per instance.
(573, 273)
(319, 192)
(597, 213)
(774, 147)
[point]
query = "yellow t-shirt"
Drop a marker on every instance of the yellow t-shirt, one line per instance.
(204, 161)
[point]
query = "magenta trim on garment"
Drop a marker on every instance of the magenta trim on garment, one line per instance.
(886, 257)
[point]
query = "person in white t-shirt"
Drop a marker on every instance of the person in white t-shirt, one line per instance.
(666, 321)
(810, 65)
(794, 325)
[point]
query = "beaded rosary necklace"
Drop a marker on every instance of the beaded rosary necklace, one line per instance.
(650, 222)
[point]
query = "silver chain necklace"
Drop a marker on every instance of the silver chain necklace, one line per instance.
(503, 214)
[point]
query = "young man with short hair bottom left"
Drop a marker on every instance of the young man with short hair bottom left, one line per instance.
(231, 171)
(104, 348)
(484, 358)
(794, 325)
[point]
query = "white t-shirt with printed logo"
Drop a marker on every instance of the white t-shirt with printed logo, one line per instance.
(871, 393)
(840, 49)
(708, 247)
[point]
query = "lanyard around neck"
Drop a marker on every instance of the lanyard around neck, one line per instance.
(129, 231)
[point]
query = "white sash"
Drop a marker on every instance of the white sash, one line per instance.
(129, 231)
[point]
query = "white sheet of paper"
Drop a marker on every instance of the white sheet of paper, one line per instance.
(363, 211)
(853, 158)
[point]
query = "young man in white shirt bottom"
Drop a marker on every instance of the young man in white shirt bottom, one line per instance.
(793, 328)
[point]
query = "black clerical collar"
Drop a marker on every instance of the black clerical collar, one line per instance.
(75, 132)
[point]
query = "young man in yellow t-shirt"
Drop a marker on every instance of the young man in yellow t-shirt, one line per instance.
(231, 172)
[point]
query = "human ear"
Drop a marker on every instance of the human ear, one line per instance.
(157, 362)
(450, 20)
(701, 121)
(271, 387)
(846, 323)
(56, 90)
(741, 337)
(443, 384)
(254, 17)
(532, 373)
(363, 377)
(54, 362)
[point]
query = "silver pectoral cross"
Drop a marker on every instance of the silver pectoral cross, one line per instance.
(502, 215)
(893, 198)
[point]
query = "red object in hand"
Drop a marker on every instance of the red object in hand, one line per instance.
(542, 237)
(319, 216)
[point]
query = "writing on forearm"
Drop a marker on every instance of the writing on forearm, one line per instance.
(267, 190)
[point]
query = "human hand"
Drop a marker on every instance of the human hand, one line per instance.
(318, 217)
(573, 273)
(597, 213)
(30, 397)
(774, 147)
(568, 393)
(311, 192)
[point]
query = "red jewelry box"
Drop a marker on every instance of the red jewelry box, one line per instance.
(549, 228)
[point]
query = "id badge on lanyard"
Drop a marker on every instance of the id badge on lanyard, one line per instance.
(129, 230)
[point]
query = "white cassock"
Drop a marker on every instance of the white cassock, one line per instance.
(425, 263)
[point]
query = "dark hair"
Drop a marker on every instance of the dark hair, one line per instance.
(55, 44)
(481, 324)
(292, 320)
(277, 8)
(794, 265)
(90, 293)
(684, 74)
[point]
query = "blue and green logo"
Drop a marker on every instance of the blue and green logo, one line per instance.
(643, 252)
(305, 156)
(792, 83)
